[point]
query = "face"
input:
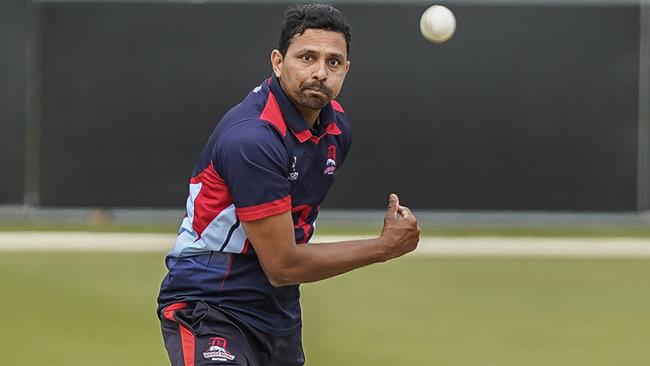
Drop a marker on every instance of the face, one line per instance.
(314, 68)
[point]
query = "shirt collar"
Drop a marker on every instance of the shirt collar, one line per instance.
(296, 122)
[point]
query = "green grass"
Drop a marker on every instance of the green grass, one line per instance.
(98, 309)
(450, 231)
(463, 231)
(496, 311)
(80, 309)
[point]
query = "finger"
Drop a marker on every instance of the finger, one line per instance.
(404, 211)
(393, 204)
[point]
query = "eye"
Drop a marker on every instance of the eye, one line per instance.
(334, 62)
(307, 58)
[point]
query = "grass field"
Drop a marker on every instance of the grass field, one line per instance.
(98, 309)
(450, 231)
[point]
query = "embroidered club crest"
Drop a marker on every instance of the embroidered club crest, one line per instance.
(330, 163)
(218, 351)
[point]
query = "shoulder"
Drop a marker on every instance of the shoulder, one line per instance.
(256, 115)
(249, 128)
(250, 154)
(250, 137)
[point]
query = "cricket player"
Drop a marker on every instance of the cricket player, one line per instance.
(231, 295)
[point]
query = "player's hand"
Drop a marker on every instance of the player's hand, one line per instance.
(401, 232)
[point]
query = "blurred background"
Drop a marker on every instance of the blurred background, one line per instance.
(522, 144)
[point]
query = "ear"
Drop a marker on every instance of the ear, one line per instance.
(347, 67)
(276, 62)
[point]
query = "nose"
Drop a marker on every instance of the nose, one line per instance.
(320, 73)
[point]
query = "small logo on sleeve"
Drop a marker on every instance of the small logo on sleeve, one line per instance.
(293, 174)
(218, 351)
(330, 163)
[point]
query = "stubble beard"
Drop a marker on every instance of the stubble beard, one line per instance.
(315, 96)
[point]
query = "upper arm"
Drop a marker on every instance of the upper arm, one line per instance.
(254, 165)
(274, 242)
(253, 162)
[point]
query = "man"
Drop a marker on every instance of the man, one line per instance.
(231, 295)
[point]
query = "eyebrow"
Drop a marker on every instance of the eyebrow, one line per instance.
(307, 50)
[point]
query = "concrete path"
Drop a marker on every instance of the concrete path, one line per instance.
(434, 246)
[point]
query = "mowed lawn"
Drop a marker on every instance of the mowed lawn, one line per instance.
(98, 309)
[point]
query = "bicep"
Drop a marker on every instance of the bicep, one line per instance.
(274, 242)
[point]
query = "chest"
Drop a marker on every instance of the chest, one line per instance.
(312, 168)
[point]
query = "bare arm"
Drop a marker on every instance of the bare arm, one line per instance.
(286, 263)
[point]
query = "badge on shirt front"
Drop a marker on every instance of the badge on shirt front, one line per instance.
(330, 163)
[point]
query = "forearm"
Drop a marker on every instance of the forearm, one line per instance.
(314, 262)
(286, 263)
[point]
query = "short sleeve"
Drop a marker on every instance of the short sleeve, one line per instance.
(252, 160)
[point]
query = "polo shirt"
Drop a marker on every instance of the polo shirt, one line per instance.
(261, 160)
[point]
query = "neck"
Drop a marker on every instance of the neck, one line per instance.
(310, 116)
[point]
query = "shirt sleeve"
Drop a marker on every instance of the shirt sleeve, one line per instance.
(252, 160)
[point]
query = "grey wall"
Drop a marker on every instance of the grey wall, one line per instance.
(13, 36)
(643, 171)
(525, 108)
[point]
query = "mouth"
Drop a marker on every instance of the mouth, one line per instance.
(317, 91)
(320, 91)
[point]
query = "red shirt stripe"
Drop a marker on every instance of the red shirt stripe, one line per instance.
(213, 198)
(273, 114)
(337, 106)
(257, 212)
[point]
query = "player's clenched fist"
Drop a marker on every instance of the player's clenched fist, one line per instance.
(401, 232)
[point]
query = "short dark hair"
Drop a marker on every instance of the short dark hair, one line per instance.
(299, 18)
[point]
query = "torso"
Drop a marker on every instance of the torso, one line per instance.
(213, 260)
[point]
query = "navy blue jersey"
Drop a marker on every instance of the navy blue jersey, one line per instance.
(261, 160)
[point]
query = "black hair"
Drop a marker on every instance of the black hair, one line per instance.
(299, 18)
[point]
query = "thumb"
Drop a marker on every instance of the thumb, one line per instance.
(393, 204)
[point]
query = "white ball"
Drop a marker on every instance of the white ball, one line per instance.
(437, 24)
